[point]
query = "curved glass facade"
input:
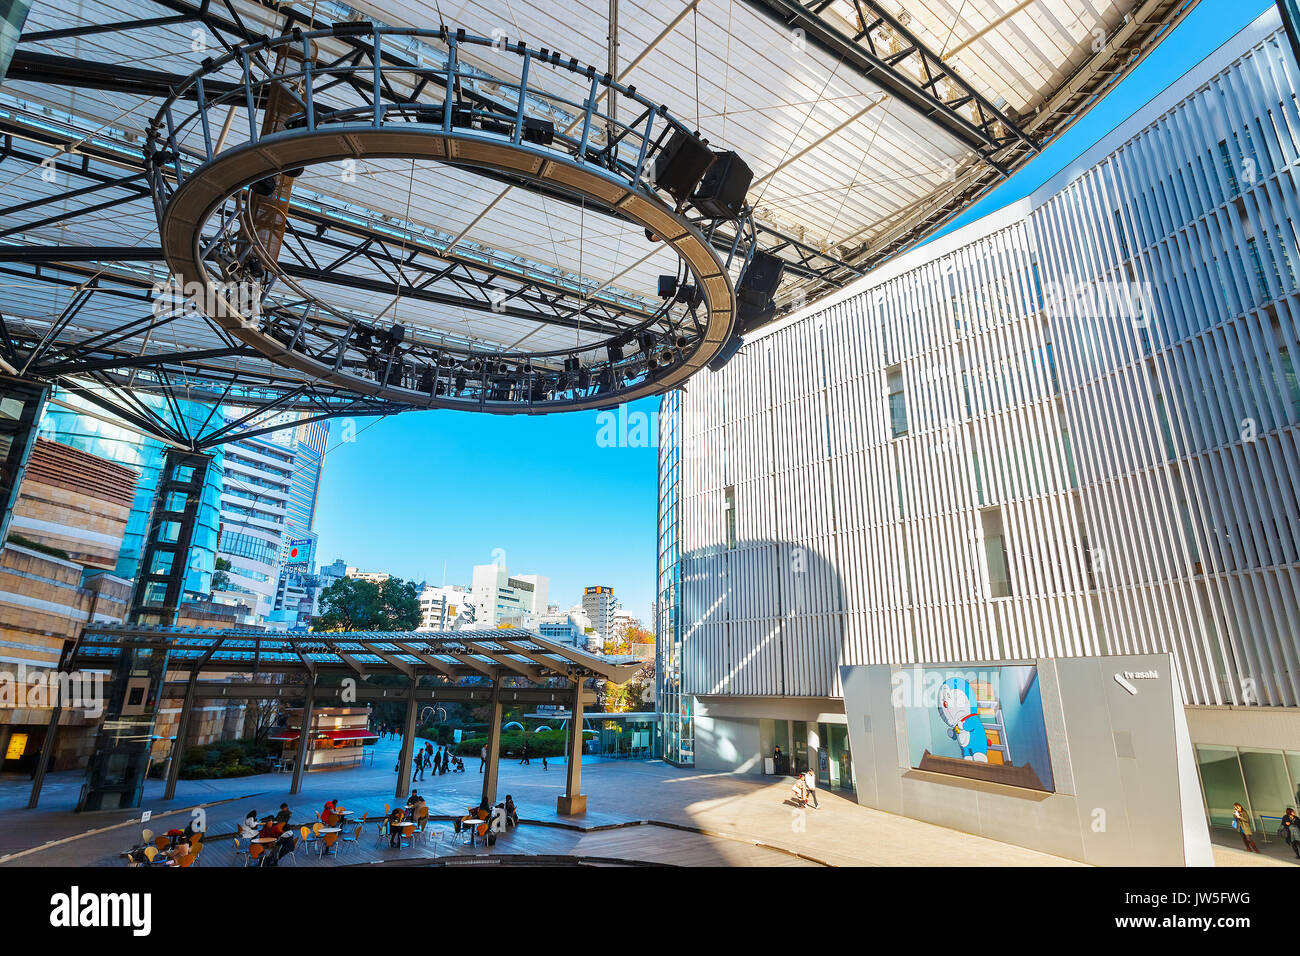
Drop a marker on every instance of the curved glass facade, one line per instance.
(90, 432)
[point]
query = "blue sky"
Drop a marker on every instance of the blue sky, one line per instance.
(419, 491)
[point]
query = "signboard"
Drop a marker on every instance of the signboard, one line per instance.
(983, 722)
(299, 551)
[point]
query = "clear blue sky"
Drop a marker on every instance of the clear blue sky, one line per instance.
(419, 490)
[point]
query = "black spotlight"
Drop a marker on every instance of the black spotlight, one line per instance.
(460, 381)
(615, 350)
(394, 336)
(690, 294)
(584, 378)
(667, 287)
(364, 337)
(264, 187)
(426, 380)
(646, 341)
(372, 362)
(571, 364)
(541, 132)
(681, 341)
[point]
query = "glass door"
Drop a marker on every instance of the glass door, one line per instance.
(799, 746)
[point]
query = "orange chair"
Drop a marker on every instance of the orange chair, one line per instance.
(162, 842)
(255, 851)
(327, 840)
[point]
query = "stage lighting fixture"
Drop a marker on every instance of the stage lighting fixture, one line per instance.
(460, 382)
(615, 350)
(426, 380)
(690, 294)
(584, 378)
(646, 341)
(541, 132)
(667, 287)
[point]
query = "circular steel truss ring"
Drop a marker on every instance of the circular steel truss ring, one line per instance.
(197, 179)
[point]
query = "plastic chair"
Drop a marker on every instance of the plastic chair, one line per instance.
(146, 836)
(162, 842)
(291, 852)
(355, 838)
(327, 840)
(240, 850)
(381, 831)
(255, 851)
(150, 853)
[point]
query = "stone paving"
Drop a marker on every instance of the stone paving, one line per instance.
(748, 809)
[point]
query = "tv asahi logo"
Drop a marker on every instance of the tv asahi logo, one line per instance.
(77, 910)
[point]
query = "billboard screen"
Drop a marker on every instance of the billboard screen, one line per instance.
(985, 723)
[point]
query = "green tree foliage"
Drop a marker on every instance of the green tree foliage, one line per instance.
(352, 605)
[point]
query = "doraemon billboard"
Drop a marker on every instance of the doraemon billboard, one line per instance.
(984, 722)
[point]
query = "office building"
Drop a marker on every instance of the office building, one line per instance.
(600, 604)
(1067, 429)
(501, 599)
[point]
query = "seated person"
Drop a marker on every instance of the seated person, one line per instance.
(397, 816)
(250, 824)
(414, 800)
(512, 814)
(174, 853)
(271, 829)
(327, 814)
(284, 814)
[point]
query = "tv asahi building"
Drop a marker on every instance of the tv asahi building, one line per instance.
(1063, 437)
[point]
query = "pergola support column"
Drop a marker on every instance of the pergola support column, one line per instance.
(304, 735)
(47, 755)
(408, 742)
(573, 801)
(182, 733)
(493, 745)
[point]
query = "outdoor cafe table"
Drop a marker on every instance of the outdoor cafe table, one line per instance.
(402, 826)
(323, 830)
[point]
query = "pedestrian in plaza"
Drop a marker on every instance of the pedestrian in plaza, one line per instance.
(810, 779)
(1291, 830)
(1241, 821)
(544, 766)
(525, 757)
(800, 788)
(482, 758)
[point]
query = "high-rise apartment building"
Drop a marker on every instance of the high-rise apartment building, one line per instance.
(1070, 428)
(600, 604)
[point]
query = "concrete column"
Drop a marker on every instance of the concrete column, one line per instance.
(408, 743)
(493, 745)
(182, 733)
(43, 761)
(573, 801)
(304, 735)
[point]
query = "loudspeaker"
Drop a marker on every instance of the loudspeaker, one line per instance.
(758, 283)
(667, 287)
(721, 194)
(680, 165)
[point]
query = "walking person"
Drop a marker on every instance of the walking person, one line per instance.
(482, 758)
(1241, 820)
(810, 779)
(800, 788)
(525, 757)
(1291, 830)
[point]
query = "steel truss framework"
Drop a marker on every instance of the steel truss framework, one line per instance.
(921, 80)
(114, 364)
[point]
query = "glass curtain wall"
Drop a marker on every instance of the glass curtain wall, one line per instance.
(678, 728)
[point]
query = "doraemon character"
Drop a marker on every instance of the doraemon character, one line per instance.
(957, 708)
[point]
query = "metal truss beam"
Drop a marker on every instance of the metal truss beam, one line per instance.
(986, 129)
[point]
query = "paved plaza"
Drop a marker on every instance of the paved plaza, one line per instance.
(691, 817)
